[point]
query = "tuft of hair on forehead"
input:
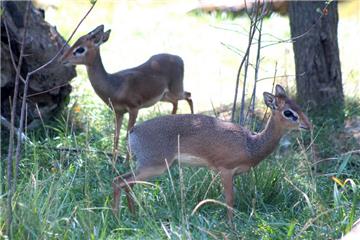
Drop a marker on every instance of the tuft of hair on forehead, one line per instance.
(293, 105)
(79, 41)
(97, 30)
(281, 95)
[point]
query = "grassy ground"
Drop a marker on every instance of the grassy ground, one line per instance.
(291, 195)
(299, 192)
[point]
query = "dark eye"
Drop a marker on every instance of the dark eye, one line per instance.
(288, 113)
(79, 50)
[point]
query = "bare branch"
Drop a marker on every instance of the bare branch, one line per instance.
(257, 66)
(10, 50)
(27, 81)
(48, 90)
(251, 35)
(272, 90)
(63, 47)
(254, 20)
(291, 40)
(7, 124)
(11, 136)
(79, 150)
(12, 180)
(281, 76)
(253, 27)
(355, 152)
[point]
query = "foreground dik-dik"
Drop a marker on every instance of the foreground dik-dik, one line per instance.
(158, 79)
(222, 146)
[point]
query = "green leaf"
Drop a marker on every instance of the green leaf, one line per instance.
(291, 228)
(343, 165)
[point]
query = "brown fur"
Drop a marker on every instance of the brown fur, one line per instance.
(158, 79)
(222, 146)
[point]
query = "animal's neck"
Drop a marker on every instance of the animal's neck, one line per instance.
(98, 75)
(266, 141)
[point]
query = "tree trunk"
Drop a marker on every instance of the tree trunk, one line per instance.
(49, 88)
(318, 81)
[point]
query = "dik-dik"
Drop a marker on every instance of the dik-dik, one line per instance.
(158, 79)
(224, 147)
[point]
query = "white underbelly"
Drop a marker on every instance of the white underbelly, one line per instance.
(191, 160)
(154, 100)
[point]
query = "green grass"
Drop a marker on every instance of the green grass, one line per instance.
(67, 195)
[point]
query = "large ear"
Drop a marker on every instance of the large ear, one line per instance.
(97, 30)
(269, 100)
(280, 91)
(106, 36)
(96, 35)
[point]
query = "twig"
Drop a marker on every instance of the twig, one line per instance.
(257, 66)
(77, 150)
(7, 124)
(247, 52)
(42, 120)
(242, 53)
(279, 40)
(11, 181)
(11, 136)
(27, 81)
(10, 50)
(233, 48)
(232, 30)
(291, 40)
(281, 76)
(272, 90)
(357, 151)
(48, 90)
(62, 48)
(253, 26)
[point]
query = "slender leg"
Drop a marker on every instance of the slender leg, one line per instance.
(132, 119)
(128, 180)
(118, 123)
(116, 198)
(227, 181)
(117, 191)
(130, 201)
(173, 99)
(175, 106)
(117, 184)
(189, 101)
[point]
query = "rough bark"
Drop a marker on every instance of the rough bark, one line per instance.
(41, 44)
(318, 81)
